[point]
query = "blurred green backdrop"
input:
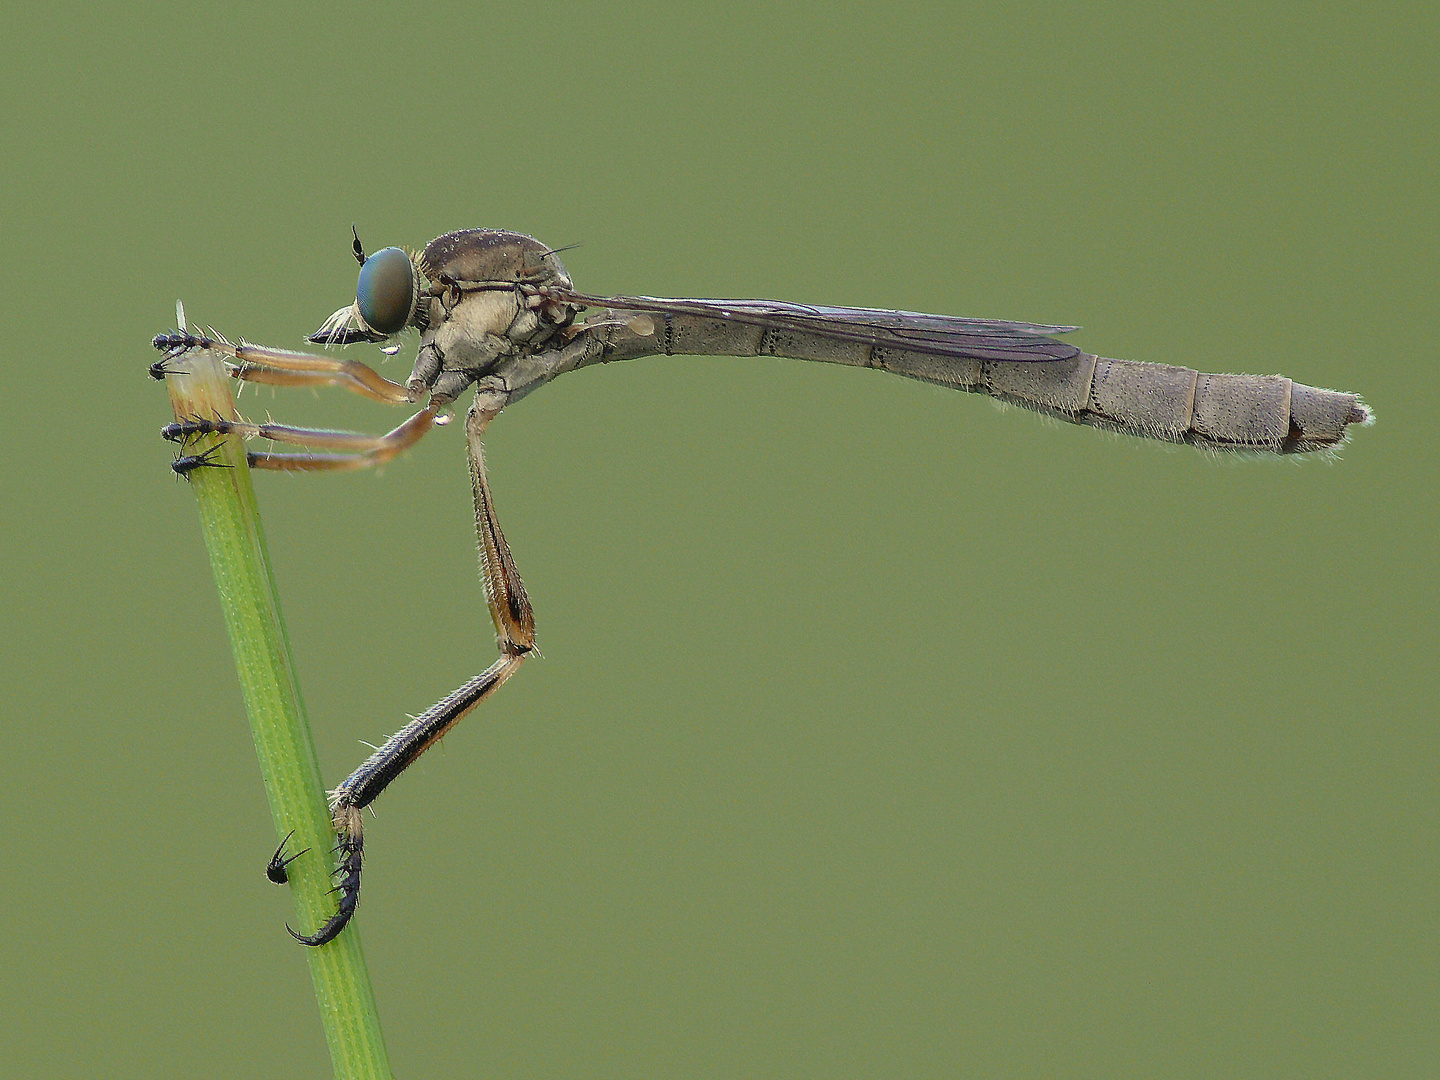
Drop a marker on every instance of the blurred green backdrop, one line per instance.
(881, 732)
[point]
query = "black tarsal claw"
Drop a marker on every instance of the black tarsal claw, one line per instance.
(161, 368)
(185, 464)
(174, 344)
(276, 871)
(349, 890)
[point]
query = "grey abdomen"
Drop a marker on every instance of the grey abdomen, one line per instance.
(1157, 401)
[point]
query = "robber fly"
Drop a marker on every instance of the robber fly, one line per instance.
(498, 310)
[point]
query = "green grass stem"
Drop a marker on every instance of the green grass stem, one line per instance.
(233, 537)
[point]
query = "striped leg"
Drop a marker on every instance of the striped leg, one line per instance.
(366, 450)
(515, 637)
(281, 367)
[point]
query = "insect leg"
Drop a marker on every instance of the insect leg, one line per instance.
(369, 450)
(514, 635)
(282, 367)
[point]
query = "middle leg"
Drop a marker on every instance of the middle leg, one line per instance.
(368, 450)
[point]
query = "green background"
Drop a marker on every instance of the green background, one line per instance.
(881, 732)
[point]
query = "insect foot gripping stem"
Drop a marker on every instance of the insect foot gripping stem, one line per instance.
(350, 849)
(276, 871)
(185, 464)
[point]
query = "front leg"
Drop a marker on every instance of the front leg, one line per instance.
(515, 637)
(280, 367)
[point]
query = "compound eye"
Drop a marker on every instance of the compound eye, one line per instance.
(385, 295)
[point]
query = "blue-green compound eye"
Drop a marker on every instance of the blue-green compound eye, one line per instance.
(386, 292)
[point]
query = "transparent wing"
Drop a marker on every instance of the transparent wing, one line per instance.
(937, 335)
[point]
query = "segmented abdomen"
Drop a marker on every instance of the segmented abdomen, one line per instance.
(1158, 401)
